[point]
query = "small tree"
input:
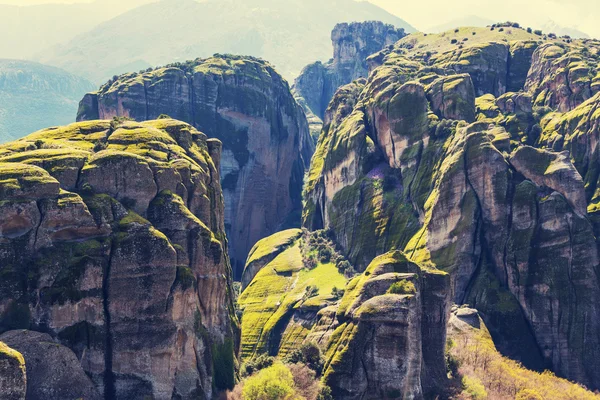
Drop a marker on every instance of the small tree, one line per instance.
(273, 383)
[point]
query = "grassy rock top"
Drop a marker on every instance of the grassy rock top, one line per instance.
(164, 142)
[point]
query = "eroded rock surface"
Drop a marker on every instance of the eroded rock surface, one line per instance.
(13, 375)
(53, 370)
(247, 105)
(352, 44)
(115, 247)
(497, 190)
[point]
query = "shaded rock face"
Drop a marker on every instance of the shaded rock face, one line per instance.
(384, 338)
(115, 246)
(562, 77)
(13, 375)
(352, 44)
(390, 344)
(53, 370)
(514, 224)
(247, 105)
(286, 288)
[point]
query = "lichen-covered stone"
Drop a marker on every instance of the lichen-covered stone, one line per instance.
(352, 44)
(561, 76)
(453, 97)
(390, 345)
(53, 371)
(13, 375)
(247, 105)
(127, 265)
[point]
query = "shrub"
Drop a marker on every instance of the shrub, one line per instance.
(163, 116)
(16, 316)
(529, 30)
(273, 383)
(528, 394)
(325, 254)
(305, 380)
(308, 354)
(402, 287)
(259, 363)
(538, 32)
(309, 292)
(325, 393)
(456, 30)
(454, 41)
(501, 30)
(337, 293)
(474, 388)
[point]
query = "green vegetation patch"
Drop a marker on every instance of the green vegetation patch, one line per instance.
(276, 290)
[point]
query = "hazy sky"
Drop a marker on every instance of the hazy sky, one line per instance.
(580, 14)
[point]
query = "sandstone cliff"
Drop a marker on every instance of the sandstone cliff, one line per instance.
(113, 243)
(446, 152)
(352, 44)
(53, 371)
(383, 338)
(247, 105)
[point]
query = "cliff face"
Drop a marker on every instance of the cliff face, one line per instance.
(13, 376)
(52, 370)
(383, 338)
(247, 105)
(434, 156)
(391, 338)
(352, 44)
(114, 245)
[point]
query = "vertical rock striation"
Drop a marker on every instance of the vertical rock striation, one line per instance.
(352, 44)
(115, 246)
(247, 105)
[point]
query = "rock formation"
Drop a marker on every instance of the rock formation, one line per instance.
(383, 338)
(13, 376)
(433, 155)
(113, 243)
(53, 370)
(247, 105)
(352, 44)
(392, 333)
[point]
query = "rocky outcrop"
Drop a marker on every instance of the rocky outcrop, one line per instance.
(115, 247)
(511, 221)
(383, 338)
(13, 376)
(561, 76)
(390, 343)
(453, 97)
(53, 370)
(290, 280)
(248, 106)
(352, 44)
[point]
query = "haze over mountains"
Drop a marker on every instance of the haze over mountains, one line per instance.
(33, 96)
(289, 34)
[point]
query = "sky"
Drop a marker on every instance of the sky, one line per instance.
(579, 14)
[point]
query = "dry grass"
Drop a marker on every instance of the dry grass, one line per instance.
(480, 364)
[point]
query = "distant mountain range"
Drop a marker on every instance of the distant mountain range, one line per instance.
(28, 30)
(34, 96)
(289, 34)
